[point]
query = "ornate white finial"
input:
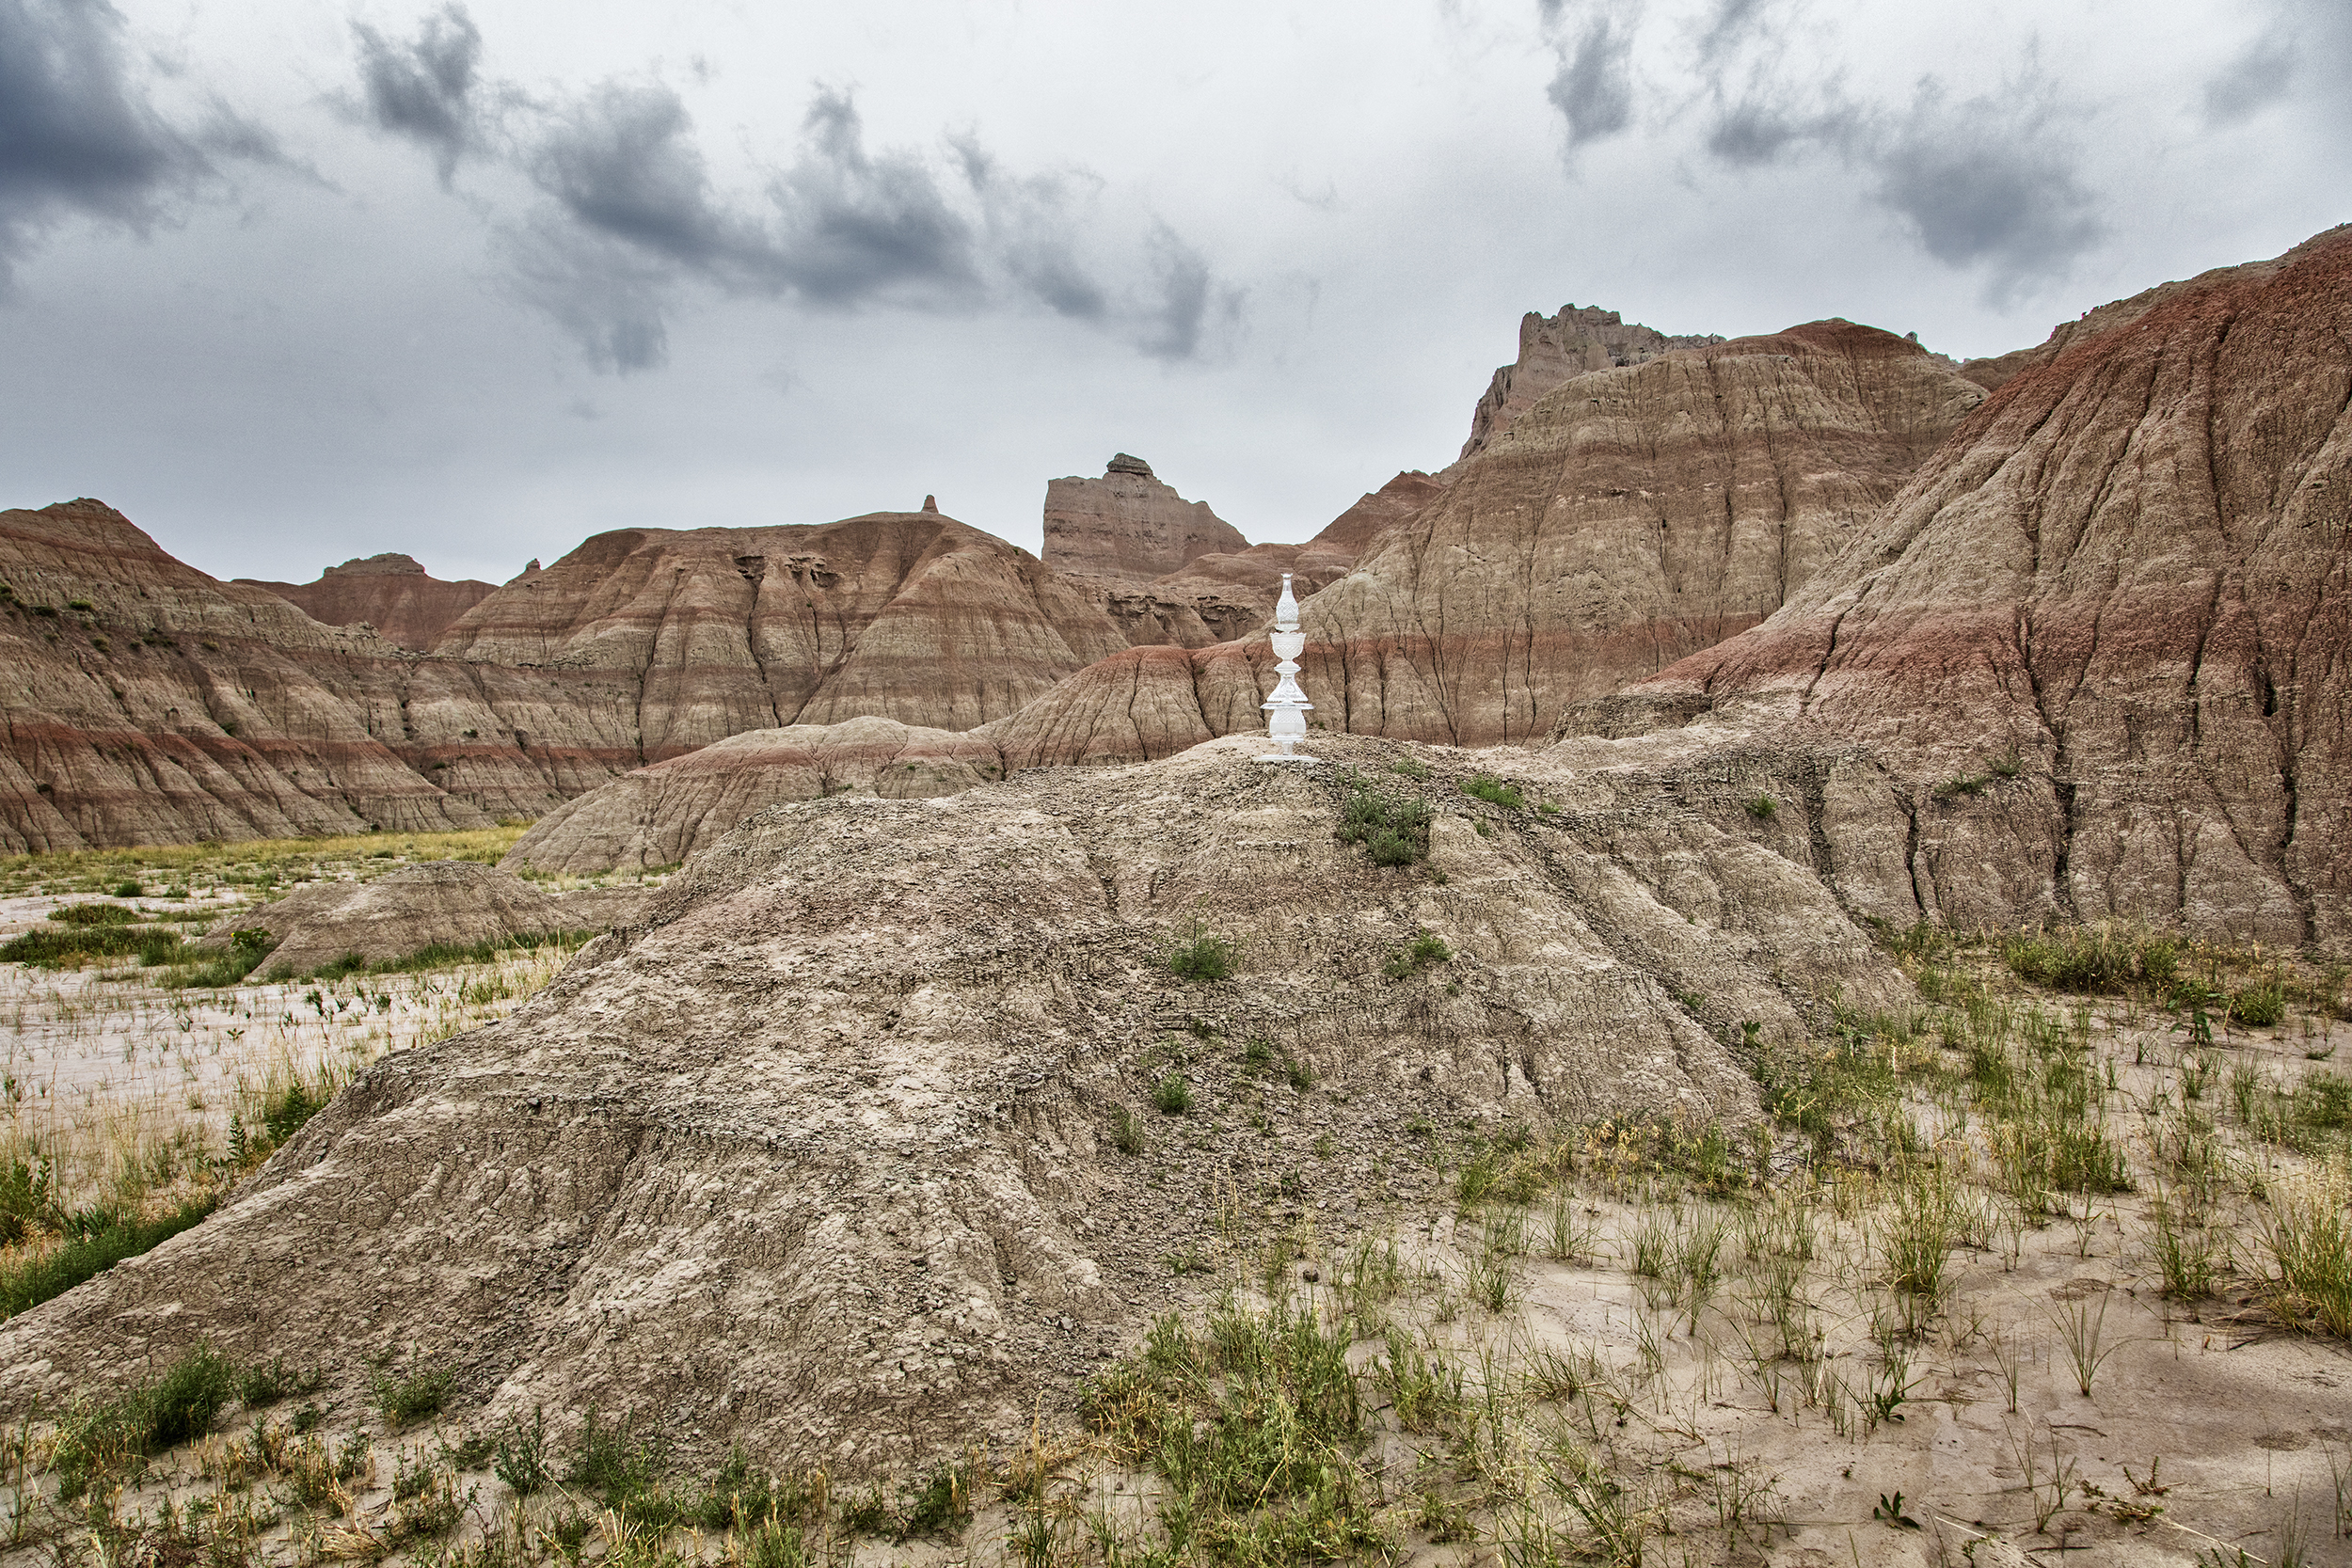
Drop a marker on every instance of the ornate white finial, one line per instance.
(1287, 709)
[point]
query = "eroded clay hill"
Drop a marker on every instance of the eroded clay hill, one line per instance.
(391, 594)
(820, 1157)
(2096, 659)
(153, 704)
(148, 703)
(1629, 517)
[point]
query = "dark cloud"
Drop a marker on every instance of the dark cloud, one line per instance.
(1593, 89)
(425, 88)
(2256, 77)
(604, 295)
(76, 135)
(633, 220)
(1730, 25)
(1754, 132)
(857, 224)
(621, 165)
(1988, 181)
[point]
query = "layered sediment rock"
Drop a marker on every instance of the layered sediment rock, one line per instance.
(153, 704)
(148, 703)
(1553, 349)
(819, 1158)
(391, 593)
(2091, 661)
(1228, 595)
(1129, 527)
(1632, 517)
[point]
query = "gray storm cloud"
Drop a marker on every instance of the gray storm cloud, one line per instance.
(1989, 183)
(76, 134)
(1593, 89)
(632, 218)
(423, 88)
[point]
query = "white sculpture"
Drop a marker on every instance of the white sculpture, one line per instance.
(1287, 709)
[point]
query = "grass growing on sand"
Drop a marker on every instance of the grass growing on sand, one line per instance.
(2026, 1205)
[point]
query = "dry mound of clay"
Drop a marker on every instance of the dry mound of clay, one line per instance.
(2091, 661)
(820, 1156)
(660, 814)
(391, 592)
(438, 904)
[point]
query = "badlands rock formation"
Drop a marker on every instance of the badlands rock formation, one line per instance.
(658, 816)
(1631, 518)
(152, 704)
(437, 903)
(656, 642)
(1553, 349)
(820, 1157)
(1129, 527)
(1220, 598)
(2093, 660)
(148, 703)
(389, 592)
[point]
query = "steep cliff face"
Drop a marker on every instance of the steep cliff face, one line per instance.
(1632, 517)
(1127, 527)
(176, 707)
(148, 702)
(704, 633)
(2093, 660)
(1228, 594)
(1553, 349)
(391, 592)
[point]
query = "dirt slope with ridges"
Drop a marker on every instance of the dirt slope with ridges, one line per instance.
(818, 1157)
(2098, 653)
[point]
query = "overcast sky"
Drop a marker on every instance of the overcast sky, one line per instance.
(289, 282)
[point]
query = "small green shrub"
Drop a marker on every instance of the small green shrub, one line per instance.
(70, 945)
(126, 889)
(1494, 791)
(1204, 959)
(1967, 783)
(2259, 1005)
(97, 1439)
(412, 1395)
(97, 1248)
(94, 914)
(2094, 961)
(1411, 767)
(1126, 1131)
(520, 1456)
(268, 1382)
(1172, 1095)
(1393, 832)
(1415, 956)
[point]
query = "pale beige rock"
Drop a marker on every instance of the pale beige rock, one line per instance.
(1553, 349)
(1127, 527)
(435, 904)
(658, 816)
(817, 1156)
